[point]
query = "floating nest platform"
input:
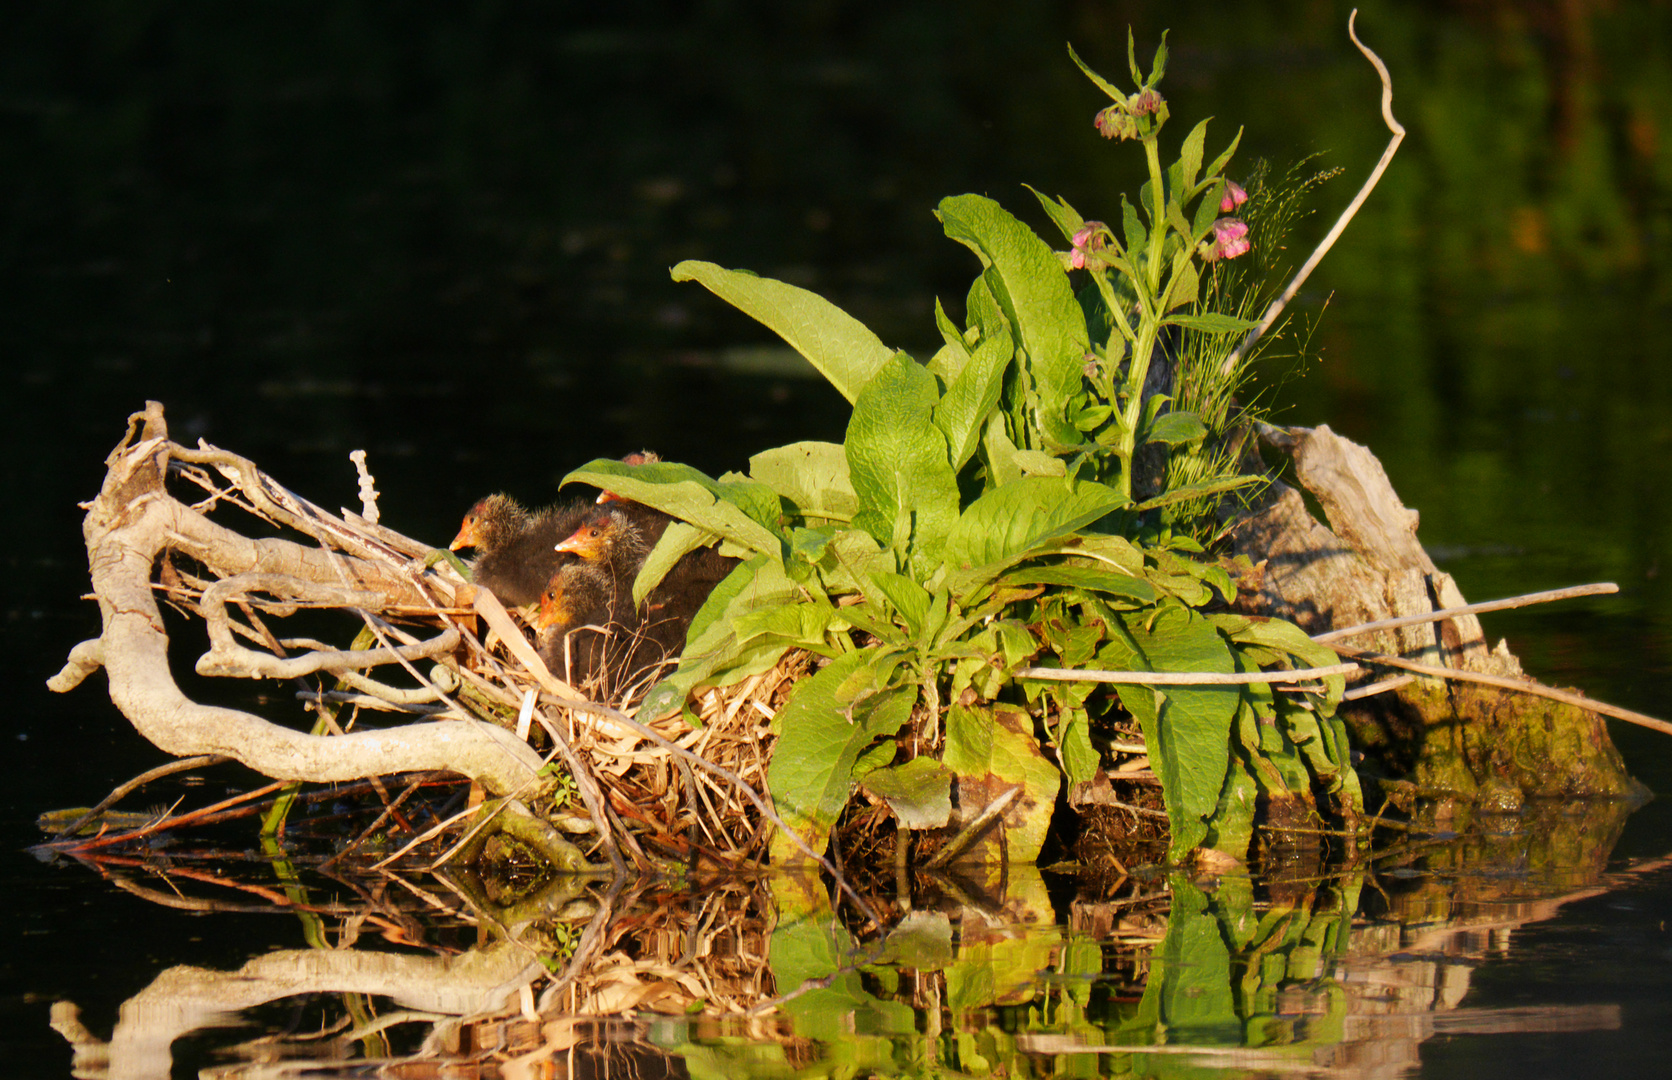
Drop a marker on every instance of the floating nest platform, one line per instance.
(581, 781)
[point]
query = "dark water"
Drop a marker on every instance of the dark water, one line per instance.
(442, 235)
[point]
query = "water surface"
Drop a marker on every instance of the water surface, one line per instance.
(443, 237)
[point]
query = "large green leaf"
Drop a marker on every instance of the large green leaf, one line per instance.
(1089, 578)
(897, 461)
(839, 345)
(713, 652)
(918, 792)
(1029, 283)
(813, 476)
(724, 509)
(1187, 729)
(1196, 1003)
(993, 751)
(829, 718)
(962, 412)
(1272, 639)
(812, 960)
(677, 541)
(800, 625)
(1009, 521)
(908, 598)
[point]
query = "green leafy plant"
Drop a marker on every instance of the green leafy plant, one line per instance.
(983, 513)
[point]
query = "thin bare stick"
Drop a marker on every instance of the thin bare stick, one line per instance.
(121, 792)
(1599, 589)
(1183, 678)
(1136, 809)
(434, 830)
(388, 812)
(1525, 686)
(166, 823)
(966, 836)
(737, 781)
(587, 787)
(1372, 689)
(1318, 253)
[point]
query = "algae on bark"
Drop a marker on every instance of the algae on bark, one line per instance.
(1450, 739)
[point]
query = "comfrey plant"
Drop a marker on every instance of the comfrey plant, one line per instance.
(981, 519)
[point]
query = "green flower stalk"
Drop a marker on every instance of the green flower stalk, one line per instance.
(1148, 276)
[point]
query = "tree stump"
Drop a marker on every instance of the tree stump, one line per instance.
(1468, 743)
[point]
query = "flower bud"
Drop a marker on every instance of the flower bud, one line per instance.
(1091, 238)
(1235, 196)
(1116, 123)
(1148, 103)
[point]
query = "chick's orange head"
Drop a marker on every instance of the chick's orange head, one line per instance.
(553, 608)
(469, 535)
(587, 542)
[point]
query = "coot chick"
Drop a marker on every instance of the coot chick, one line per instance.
(516, 549)
(638, 457)
(616, 538)
(613, 539)
(574, 622)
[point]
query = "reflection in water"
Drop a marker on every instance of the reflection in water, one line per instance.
(446, 239)
(1342, 972)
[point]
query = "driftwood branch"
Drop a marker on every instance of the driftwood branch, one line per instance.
(1276, 307)
(227, 658)
(1524, 686)
(134, 520)
(185, 999)
(1184, 678)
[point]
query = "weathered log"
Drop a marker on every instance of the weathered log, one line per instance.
(134, 520)
(1476, 743)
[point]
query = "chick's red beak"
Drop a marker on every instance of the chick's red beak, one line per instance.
(466, 537)
(585, 542)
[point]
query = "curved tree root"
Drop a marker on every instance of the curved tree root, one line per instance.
(134, 520)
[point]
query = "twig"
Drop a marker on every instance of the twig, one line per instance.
(1184, 678)
(368, 487)
(1599, 589)
(1135, 808)
(170, 823)
(434, 830)
(1525, 686)
(122, 791)
(1318, 253)
(966, 836)
(587, 787)
(1358, 693)
(388, 812)
(732, 778)
(585, 947)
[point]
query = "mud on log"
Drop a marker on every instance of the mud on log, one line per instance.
(1474, 743)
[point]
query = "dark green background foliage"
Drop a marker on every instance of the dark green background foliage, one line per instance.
(443, 234)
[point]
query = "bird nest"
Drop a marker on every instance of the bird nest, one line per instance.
(565, 775)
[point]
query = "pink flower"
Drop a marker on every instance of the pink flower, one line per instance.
(1091, 238)
(1234, 197)
(1229, 239)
